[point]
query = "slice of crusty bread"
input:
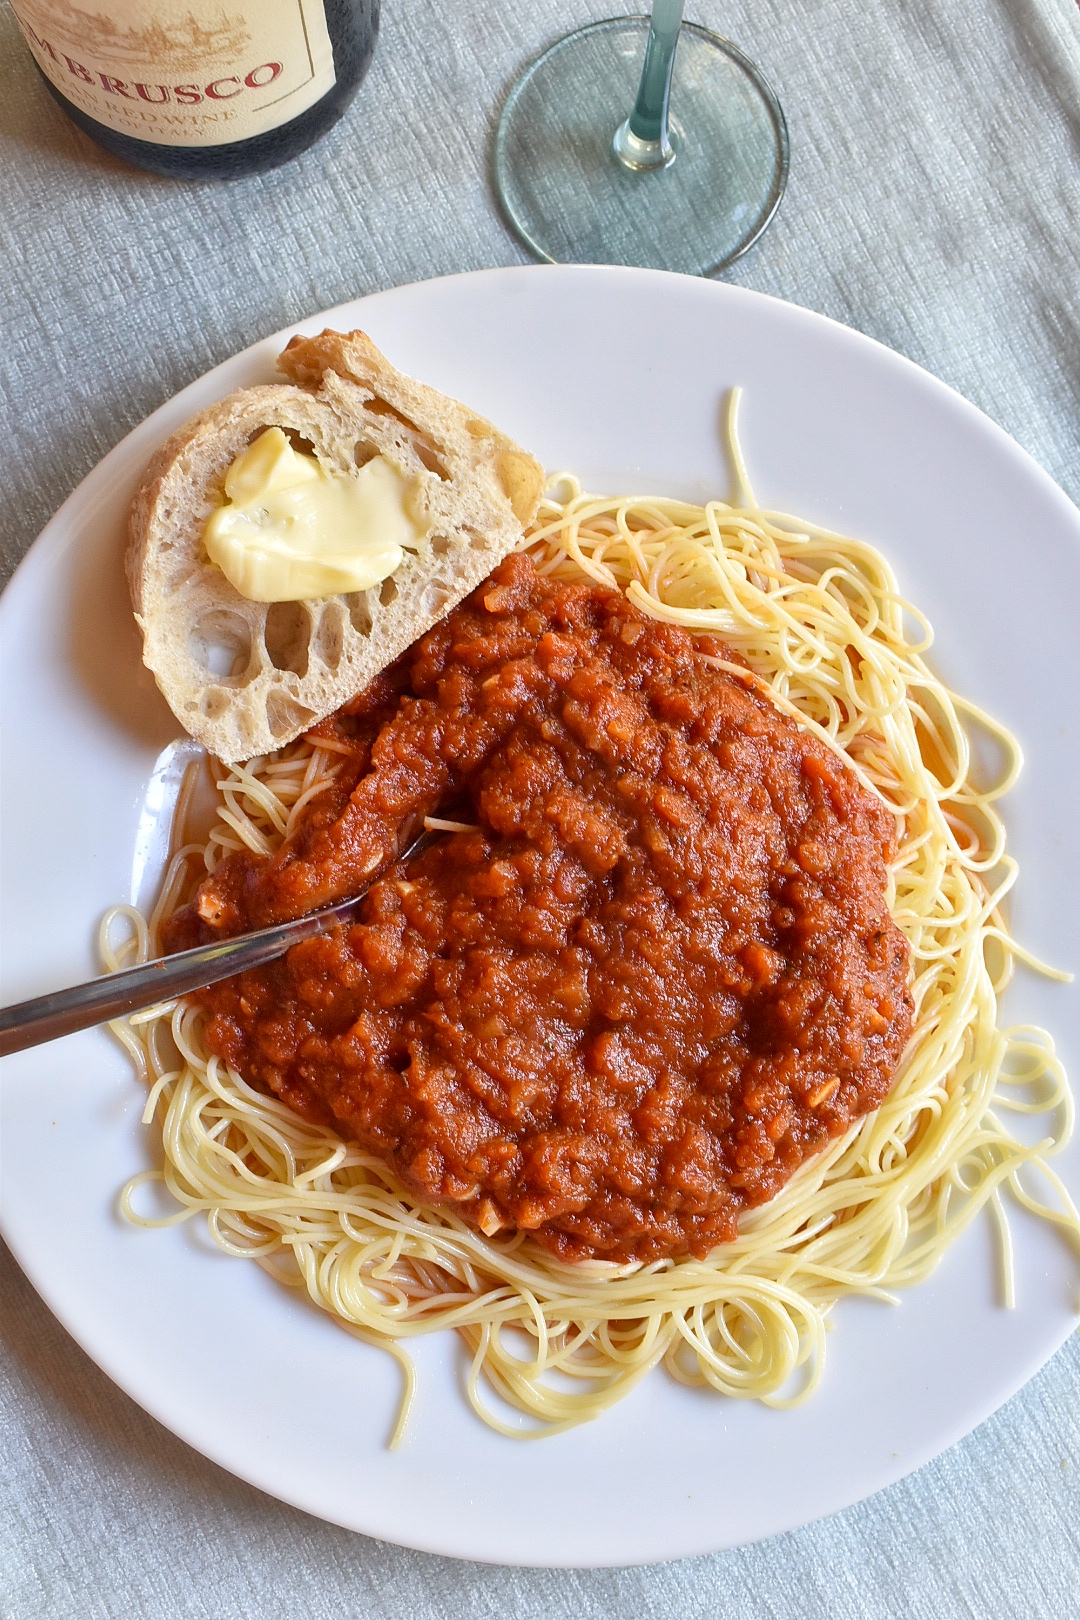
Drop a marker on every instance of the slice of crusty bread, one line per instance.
(246, 677)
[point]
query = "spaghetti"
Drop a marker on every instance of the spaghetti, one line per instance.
(818, 623)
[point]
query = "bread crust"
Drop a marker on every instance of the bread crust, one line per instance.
(246, 677)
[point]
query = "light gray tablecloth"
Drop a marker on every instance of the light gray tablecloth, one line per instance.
(934, 204)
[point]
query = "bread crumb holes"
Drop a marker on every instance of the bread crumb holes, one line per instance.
(287, 636)
(220, 643)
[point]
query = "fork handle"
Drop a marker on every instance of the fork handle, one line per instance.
(44, 1018)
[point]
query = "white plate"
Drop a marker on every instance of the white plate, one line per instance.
(618, 375)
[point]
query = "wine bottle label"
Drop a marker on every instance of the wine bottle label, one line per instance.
(183, 72)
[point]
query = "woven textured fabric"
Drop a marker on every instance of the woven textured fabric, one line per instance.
(934, 204)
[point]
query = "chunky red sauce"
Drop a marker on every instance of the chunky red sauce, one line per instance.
(656, 978)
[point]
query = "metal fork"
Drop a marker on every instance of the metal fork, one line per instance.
(44, 1018)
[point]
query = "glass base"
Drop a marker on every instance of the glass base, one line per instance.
(571, 200)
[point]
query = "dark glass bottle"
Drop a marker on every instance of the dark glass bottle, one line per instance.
(241, 63)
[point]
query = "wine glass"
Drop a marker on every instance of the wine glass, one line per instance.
(641, 140)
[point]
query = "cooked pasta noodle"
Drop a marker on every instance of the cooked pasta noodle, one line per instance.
(816, 620)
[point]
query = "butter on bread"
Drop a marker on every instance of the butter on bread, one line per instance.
(245, 677)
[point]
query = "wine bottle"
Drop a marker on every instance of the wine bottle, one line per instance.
(202, 89)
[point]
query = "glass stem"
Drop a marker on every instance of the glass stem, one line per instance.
(643, 141)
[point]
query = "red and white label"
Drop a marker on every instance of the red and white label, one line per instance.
(184, 72)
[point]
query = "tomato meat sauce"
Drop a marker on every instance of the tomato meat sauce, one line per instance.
(653, 978)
